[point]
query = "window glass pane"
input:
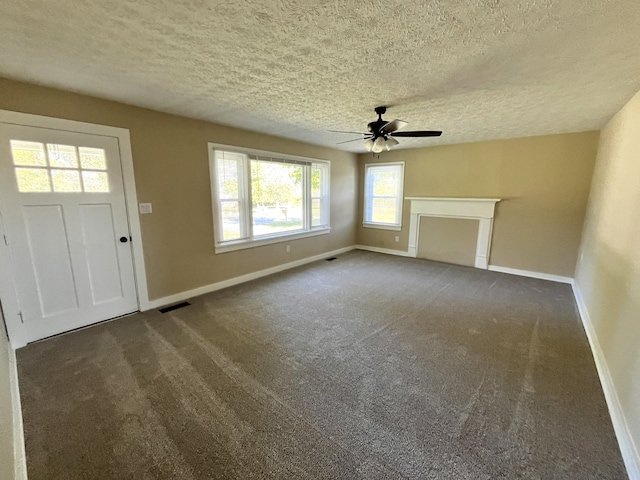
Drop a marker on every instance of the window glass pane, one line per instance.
(28, 153)
(66, 180)
(62, 156)
(230, 220)
(384, 210)
(383, 191)
(316, 182)
(95, 182)
(33, 180)
(276, 194)
(228, 181)
(385, 182)
(92, 158)
(316, 213)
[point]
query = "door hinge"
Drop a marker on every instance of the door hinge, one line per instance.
(6, 241)
(21, 318)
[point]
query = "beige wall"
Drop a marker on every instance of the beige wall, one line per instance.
(450, 240)
(543, 181)
(6, 411)
(608, 272)
(172, 172)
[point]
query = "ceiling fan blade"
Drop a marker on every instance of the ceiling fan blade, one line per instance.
(418, 133)
(342, 131)
(393, 125)
(354, 140)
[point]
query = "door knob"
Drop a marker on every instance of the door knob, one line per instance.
(124, 239)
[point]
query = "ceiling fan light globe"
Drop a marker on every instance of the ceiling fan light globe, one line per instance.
(368, 145)
(390, 143)
(378, 145)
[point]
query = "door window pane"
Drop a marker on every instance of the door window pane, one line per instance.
(95, 182)
(29, 154)
(62, 156)
(33, 180)
(66, 180)
(59, 166)
(276, 196)
(92, 158)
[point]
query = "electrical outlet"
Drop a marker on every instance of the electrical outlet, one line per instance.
(397, 238)
(288, 248)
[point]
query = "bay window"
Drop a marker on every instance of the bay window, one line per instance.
(263, 197)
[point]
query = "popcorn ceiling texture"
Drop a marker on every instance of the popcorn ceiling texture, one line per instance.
(476, 69)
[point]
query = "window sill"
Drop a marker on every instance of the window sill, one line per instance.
(286, 237)
(383, 226)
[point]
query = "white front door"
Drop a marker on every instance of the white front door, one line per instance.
(65, 223)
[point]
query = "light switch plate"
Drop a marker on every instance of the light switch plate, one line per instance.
(145, 208)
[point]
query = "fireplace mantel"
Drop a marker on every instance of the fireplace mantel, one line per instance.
(481, 209)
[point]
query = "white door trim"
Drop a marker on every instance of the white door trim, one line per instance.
(7, 291)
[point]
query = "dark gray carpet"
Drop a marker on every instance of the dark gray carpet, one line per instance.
(367, 367)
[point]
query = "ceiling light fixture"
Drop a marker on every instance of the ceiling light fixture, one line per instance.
(378, 145)
(368, 144)
(391, 142)
(381, 133)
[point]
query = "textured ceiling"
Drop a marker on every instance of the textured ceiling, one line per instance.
(296, 68)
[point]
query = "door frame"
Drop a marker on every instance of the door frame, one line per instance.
(8, 293)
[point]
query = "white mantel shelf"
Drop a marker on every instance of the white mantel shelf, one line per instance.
(481, 209)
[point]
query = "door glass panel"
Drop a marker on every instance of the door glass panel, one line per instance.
(33, 180)
(92, 158)
(66, 180)
(62, 156)
(91, 168)
(95, 181)
(29, 154)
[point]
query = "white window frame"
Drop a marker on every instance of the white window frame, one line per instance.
(368, 196)
(248, 240)
(325, 204)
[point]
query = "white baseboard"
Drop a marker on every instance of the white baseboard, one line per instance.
(527, 273)
(179, 297)
(388, 251)
(628, 449)
(19, 455)
(493, 268)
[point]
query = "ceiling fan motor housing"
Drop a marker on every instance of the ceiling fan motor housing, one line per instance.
(374, 127)
(381, 110)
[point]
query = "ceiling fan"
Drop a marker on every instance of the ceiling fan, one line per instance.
(381, 133)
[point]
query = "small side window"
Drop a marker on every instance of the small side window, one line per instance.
(383, 195)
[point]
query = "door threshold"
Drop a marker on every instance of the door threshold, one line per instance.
(101, 322)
